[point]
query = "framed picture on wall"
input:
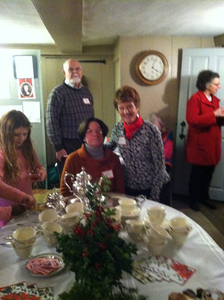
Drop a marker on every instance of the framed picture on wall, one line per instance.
(26, 88)
(25, 66)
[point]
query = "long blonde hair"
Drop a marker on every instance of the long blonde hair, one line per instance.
(8, 123)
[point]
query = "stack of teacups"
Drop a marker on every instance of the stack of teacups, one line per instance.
(75, 207)
(156, 239)
(156, 214)
(49, 229)
(179, 230)
(23, 239)
(135, 229)
(127, 205)
(74, 212)
(68, 220)
(49, 218)
(48, 215)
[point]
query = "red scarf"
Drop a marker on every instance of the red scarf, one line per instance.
(130, 129)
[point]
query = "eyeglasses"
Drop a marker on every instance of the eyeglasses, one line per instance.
(90, 131)
(75, 69)
(216, 84)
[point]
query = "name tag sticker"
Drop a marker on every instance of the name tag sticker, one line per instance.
(121, 140)
(108, 173)
(86, 100)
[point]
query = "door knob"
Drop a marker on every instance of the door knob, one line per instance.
(183, 125)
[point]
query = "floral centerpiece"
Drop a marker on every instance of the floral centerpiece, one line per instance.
(96, 254)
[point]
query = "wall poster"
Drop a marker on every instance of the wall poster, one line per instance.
(26, 88)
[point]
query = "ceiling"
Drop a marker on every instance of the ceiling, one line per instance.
(72, 24)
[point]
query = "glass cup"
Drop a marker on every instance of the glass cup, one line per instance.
(34, 175)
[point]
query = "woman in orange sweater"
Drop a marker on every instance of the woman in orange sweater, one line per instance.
(94, 157)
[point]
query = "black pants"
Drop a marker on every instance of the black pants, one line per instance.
(165, 194)
(70, 145)
(199, 183)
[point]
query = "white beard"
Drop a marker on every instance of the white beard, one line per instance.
(75, 80)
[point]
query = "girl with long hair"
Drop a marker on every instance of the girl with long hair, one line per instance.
(17, 160)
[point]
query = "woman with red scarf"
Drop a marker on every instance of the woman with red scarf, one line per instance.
(140, 146)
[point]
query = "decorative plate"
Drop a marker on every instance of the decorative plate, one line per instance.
(46, 255)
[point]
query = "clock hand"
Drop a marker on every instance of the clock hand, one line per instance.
(155, 69)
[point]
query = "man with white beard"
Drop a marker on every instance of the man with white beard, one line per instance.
(68, 105)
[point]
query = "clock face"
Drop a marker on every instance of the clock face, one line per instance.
(152, 67)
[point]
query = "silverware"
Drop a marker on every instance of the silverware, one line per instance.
(6, 244)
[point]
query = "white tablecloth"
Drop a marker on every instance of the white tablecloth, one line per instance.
(199, 252)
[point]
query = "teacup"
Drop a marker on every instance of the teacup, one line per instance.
(179, 224)
(159, 233)
(127, 205)
(48, 215)
(179, 237)
(75, 207)
(23, 252)
(156, 214)
(135, 226)
(70, 218)
(154, 247)
(49, 229)
(23, 236)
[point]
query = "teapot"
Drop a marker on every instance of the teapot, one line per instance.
(55, 201)
(79, 187)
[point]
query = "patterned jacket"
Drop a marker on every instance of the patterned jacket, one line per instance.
(143, 158)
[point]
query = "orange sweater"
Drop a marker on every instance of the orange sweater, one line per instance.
(110, 164)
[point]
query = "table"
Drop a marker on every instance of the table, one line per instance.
(199, 252)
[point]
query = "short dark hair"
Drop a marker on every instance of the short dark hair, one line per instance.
(127, 94)
(204, 78)
(84, 125)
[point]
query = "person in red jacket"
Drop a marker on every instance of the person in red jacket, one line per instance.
(203, 147)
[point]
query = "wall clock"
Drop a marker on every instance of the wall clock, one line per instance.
(151, 67)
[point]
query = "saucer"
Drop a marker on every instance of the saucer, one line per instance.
(133, 214)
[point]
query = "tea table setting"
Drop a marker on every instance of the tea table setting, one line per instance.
(163, 235)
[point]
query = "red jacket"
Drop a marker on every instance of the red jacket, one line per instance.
(204, 134)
